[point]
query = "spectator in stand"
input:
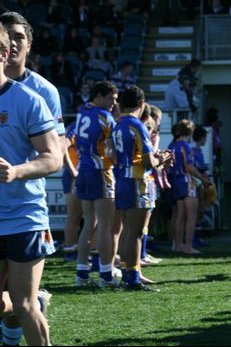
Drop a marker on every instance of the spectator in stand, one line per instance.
(46, 43)
(138, 7)
(97, 31)
(98, 56)
(59, 12)
(81, 97)
(179, 95)
(62, 75)
(73, 43)
(192, 70)
(111, 17)
(124, 77)
(35, 63)
(81, 14)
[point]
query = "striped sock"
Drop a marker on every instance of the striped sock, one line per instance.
(133, 275)
(82, 271)
(11, 336)
(106, 271)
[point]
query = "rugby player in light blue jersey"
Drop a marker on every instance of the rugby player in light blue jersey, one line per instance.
(29, 150)
(21, 37)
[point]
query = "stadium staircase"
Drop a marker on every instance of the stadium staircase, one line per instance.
(165, 50)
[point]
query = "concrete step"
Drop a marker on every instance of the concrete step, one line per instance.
(159, 63)
(152, 71)
(160, 50)
(173, 31)
(182, 58)
(156, 95)
(168, 43)
(158, 88)
(154, 79)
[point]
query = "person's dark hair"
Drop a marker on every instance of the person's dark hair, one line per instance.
(212, 116)
(146, 113)
(175, 131)
(9, 18)
(199, 133)
(126, 64)
(195, 63)
(103, 88)
(132, 97)
(184, 78)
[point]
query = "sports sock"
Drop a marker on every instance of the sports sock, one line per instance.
(144, 243)
(133, 275)
(106, 271)
(94, 262)
(11, 336)
(82, 271)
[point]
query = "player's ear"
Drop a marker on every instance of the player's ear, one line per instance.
(4, 53)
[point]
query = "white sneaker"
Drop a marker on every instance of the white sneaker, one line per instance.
(109, 284)
(84, 282)
(150, 260)
(116, 272)
(44, 299)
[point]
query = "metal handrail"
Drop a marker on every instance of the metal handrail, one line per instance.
(208, 46)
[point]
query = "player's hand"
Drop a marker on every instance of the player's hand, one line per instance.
(7, 171)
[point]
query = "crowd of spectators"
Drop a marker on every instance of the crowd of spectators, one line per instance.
(76, 40)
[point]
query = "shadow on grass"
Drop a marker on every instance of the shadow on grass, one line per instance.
(216, 335)
(55, 288)
(204, 263)
(205, 279)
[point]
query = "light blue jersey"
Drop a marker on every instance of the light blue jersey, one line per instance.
(23, 115)
(49, 92)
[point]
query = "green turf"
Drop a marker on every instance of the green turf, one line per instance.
(193, 307)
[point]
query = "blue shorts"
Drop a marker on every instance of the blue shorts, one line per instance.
(134, 193)
(181, 189)
(184, 189)
(26, 247)
(68, 181)
(95, 184)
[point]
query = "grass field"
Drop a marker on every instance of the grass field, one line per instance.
(193, 307)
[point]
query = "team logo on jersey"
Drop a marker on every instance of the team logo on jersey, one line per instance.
(3, 117)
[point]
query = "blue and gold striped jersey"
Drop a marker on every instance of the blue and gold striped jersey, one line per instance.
(131, 142)
(93, 130)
